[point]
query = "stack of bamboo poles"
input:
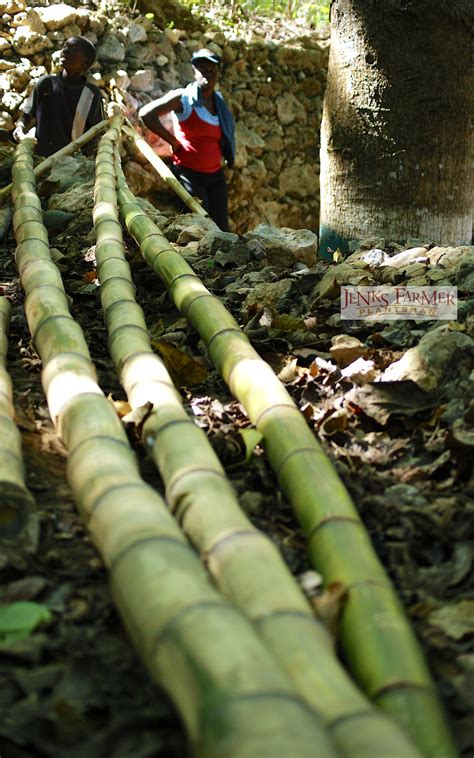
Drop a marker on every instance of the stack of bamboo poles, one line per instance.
(244, 563)
(233, 697)
(16, 501)
(376, 638)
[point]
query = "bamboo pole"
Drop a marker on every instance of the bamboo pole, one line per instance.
(164, 171)
(72, 147)
(245, 565)
(377, 640)
(16, 501)
(234, 699)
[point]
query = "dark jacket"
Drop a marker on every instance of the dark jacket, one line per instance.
(53, 103)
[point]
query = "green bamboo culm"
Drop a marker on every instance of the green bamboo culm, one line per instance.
(376, 638)
(16, 501)
(245, 565)
(234, 699)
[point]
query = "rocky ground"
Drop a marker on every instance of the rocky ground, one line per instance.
(389, 401)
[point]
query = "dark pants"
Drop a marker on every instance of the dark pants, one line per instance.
(211, 189)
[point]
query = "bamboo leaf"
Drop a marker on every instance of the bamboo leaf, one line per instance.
(251, 438)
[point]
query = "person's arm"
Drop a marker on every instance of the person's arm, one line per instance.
(150, 115)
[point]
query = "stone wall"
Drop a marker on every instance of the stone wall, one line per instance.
(274, 87)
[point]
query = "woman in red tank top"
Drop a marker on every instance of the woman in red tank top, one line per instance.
(203, 134)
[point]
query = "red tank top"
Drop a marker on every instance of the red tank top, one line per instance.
(201, 144)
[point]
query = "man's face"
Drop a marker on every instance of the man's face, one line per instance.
(206, 73)
(73, 59)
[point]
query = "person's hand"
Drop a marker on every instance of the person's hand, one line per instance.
(19, 133)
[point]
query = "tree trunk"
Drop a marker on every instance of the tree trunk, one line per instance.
(395, 139)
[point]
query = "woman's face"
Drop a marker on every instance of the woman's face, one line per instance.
(206, 73)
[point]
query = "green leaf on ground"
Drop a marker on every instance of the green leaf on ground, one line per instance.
(18, 620)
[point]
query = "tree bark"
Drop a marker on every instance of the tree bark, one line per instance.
(396, 145)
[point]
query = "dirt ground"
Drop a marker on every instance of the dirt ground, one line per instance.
(75, 687)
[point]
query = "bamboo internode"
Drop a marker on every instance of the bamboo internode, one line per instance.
(16, 501)
(376, 637)
(232, 695)
(244, 563)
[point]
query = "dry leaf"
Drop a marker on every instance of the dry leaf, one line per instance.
(454, 619)
(334, 423)
(285, 322)
(121, 406)
(360, 371)
(184, 370)
(328, 606)
(382, 399)
(289, 372)
(345, 349)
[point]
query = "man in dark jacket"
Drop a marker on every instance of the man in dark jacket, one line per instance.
(66, 105)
